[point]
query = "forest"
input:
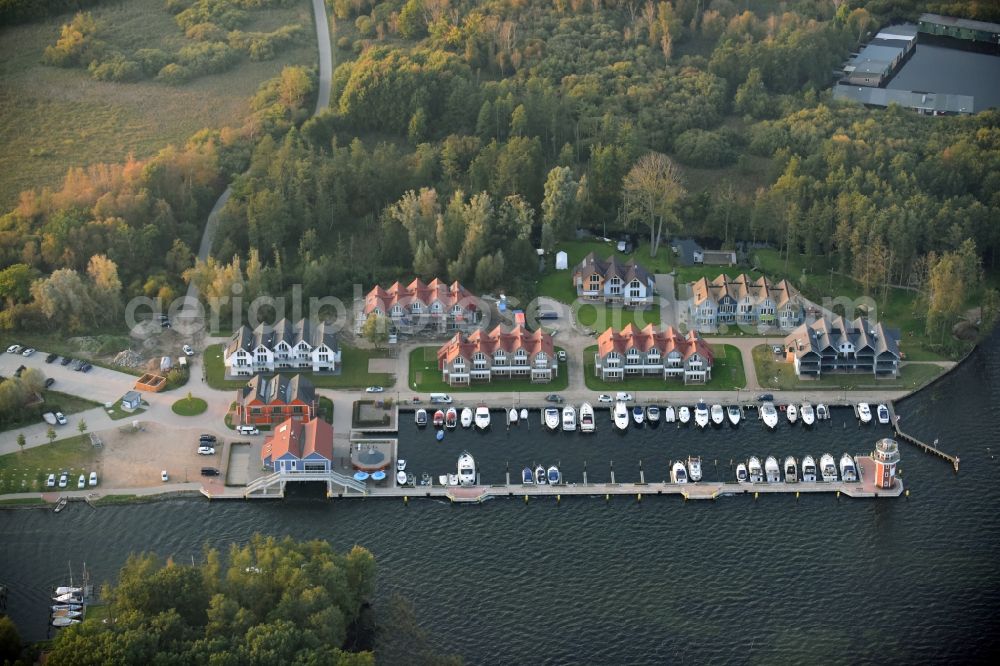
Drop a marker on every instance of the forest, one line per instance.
(464, 135)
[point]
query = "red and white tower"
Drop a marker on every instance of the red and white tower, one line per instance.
(886, 457)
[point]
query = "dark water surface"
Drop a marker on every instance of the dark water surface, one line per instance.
(779, 579)
(944, 70)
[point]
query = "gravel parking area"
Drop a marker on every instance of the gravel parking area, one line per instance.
(135, 459)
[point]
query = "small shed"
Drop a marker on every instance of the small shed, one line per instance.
(562, 261)
(131, 400)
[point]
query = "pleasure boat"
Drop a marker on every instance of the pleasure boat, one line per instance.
(792, 412)
(754, 470)
(540, 475)
(718, 415)
(451, 418)
(684, 414)
(735, 414)
(554, 476)
(791, 470)
(653, 414)
(65, 589)
(453, 479)
(439, 435)
(438, 418)
(701, 414)
(586, 418)
(678, 473)
(512, 416)
(68, 598)
(883, 414)
(808, 415)
(621, 416)
(637, 415)
(411, 479)
(569, 418)
(466, 469)
(822, 413)
(769, 414)
(741, 474)
(772, 473)
(848, 468)
(71, 607)
(425, 479)
(420, 418)
(524, 414)
(64, 621)
(551, 418)
(443, 480)
(401, 478)
(401, 464)
(66, 613)
(827, 468)
(808, 470)
(527, 476)
(466, 419)
(694, 468)
(669, 414)
(482, 417)
(864, 412)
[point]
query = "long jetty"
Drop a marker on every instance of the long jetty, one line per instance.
(928, 448)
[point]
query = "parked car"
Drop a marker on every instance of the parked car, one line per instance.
(51, 357)
(78, 366)
(51, 481)
(20, 369)
(206, 451)
(623, 397)
(63, 480)
(604, 397)
(561, 355)
(28, 352)
(66, 360)
(247, 430)
(81, 483)
(187, 350)
(61, 418)
(765, 397)
(205, 437)
(86, 367)
(209, 471)
(554, 397)
(164, 477)
(93, 478)
(14, 349)
(49, 382)
(374, 389)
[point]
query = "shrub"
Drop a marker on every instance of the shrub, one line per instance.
(344, 43)
(152, 60)
(701, 148)
(174, 74)
(207, 57)
(365, 26)
(205, 32)
(116, 69)
(78, 43)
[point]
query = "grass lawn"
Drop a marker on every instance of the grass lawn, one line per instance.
(354, 371)
(55, 401)
(116, 413)
(189, 406)
(58, 118)
(778, 375)
(22, 501)
(425, 377)
(26, 471)
(600, 317)
(727, 374)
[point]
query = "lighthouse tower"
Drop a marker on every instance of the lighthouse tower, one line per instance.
(886, 456)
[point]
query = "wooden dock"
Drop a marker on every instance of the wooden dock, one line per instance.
(928, 448)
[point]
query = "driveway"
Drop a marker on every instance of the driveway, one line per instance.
(668, 299)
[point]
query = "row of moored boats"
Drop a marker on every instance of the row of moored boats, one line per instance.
(771, 472)
(68, 606)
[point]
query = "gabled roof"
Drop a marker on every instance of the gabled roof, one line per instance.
(510, 342)
(666, 340)
(829, 334)
(742, 287)
(417, 291)
(278, 390)
(268, 336)
(612, 267)
(301, 440)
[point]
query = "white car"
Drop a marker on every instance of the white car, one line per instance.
(247, 430)
(93, 478)
(561, 355)
(61, 418)
(81, 483)
(206, 451)
(14, 349)
(51, 481)
(164, 477)
(623, 397)
(63, 480)
(187, 350)
(28, 352)
(374, 389)
(604, 397)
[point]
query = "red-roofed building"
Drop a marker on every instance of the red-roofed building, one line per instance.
(296, 446)
(482, 356)
(649, 351)
(446, 307)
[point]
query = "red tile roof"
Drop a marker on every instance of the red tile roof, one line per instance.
(425, 294)
(300, 439)
(666, 341)
(510, 341)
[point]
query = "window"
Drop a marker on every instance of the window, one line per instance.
(479, 360)
(521, 357)
(615, 286)
(594, 282)
(415, 307)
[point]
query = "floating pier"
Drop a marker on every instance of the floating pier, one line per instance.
(894, 420)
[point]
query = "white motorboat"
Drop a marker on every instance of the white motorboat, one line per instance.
(540, 475)
(482, 417)
(883, 414)
(587, 418)
(791, 470)
(466, 419)
(68, 598)
(512, 416)
(411, 479)
(466, 469)
(527, 476)
(637, 415)
(401, 464)
(808, 415)
(822, 413)
(453, 479)
(451, 418)
(848, 468)
(73, 607)
(400, 478)
(792, 412)
(443, 480)
(694, 468)
(569, 418)
(741, 474)
(769, 414)
(772, 473)
(551, 418)
(755, 471)
(420, 418)
(669, 414)
(684, 414)
(864, 412)
(808, 469)
(718, 415)
(64, 589)
(735, 414)
(701, 414)
(827, 468)
(653, 414)
(621, 416)
(554, 476)
(524, 414)
(64, 621)
(678, 473)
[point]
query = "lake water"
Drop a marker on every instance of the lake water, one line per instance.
(944, 70)
(778, 579)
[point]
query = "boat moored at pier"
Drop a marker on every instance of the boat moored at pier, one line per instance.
(735, 414)
(684, 414)
(466, 469)
(827, 468)
(678, 473)
(694, 468)
(482, 417)
(669, 414)
(772, 472)
(586, 418)
(769, 414)
(755, 471)
(791, 470)
(551, 418)
(466, 418)
(621, 416)
(420, 417)
(741, 474)
(569, 418)
(701, 414)
(808, 414)
(864, 412)
(808, 469)
(848, 468)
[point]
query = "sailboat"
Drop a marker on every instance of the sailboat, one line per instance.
(64, 621)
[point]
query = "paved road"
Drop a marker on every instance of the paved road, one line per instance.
(667, 293)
